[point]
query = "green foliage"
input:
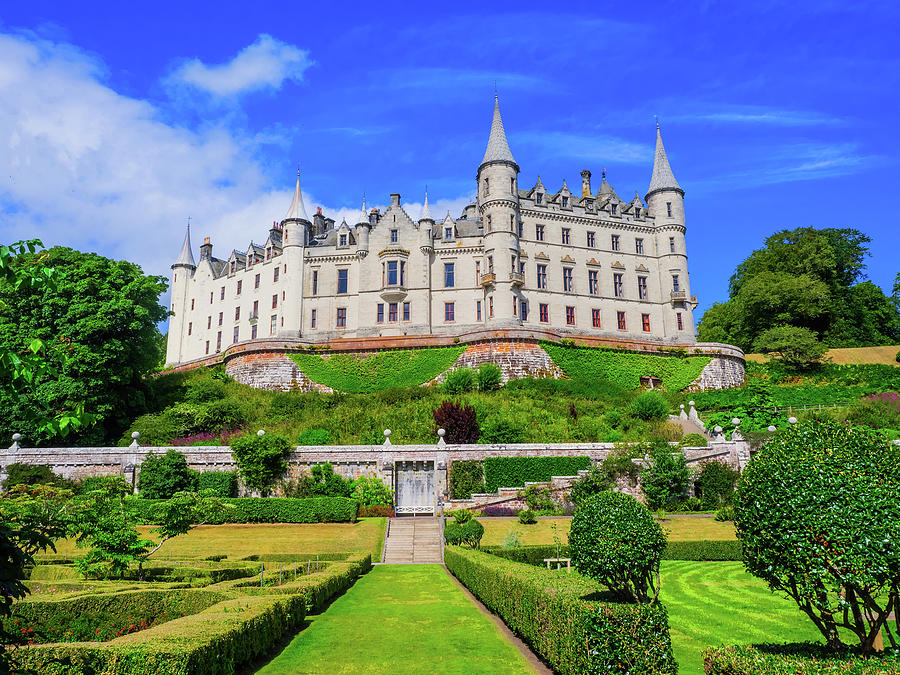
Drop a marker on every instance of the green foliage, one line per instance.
(261, 460)
(468, 533)
(795, 659)
(515, 471)
(615, 540)
(625, 368)
(527, 517)
(488, 377)
(459, 381)
(716, 481)
(826, 498)
(321, 481)
(314, 437)
(797, 347)
(499, 429)
(711, 550)
(270, 510)
(550, 612)
(593, 483)
(462, 516)
(649, 405)
(538, 498)
(877, 411)
(402, 368)
(370, 491)
(19, 473)
(161, 476)
(466, 478)
(725, 514)
(460, 422)
(221, 483)
(693, 441)
(665, 478)
(619, 465)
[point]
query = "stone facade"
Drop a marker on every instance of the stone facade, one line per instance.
(516, 358)
(271, 370)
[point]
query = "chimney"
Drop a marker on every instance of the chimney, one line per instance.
(205, 249)
(319, 223)
(395, 199)
(585, 183)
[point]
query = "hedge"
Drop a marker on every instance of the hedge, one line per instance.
(224, 483)
(515, 471)
(675, 550)
(794, 659)
(273, 510)
(551, 613)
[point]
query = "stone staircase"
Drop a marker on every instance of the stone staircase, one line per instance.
(413, 540)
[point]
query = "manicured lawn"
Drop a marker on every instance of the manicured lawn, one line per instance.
(400, 619)
(713, 603)
(677, 529)
(237, 541)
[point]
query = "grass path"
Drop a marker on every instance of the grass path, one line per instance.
(714, 603)
(400, 619)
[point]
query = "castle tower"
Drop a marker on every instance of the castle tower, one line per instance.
(295, 227)
(498, 205)
(426, 246)
(182, 271)
(363, 228)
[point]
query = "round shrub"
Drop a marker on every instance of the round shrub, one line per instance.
(649, 405)
(161, 476)
(488, 377)
(817, 511)
(459, 381)
(464, 534)
(497, 429)
(527, 517)
(460, 422)
(615, 540)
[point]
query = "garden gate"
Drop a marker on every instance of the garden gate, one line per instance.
(415, 483)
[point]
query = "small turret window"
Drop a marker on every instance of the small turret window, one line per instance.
(669, 209)
(613, 208)
(512, 186)
(671, 244)
(487, 187)
(539, 198)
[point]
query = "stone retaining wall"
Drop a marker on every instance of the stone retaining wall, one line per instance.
(516, 358)
(270, 370)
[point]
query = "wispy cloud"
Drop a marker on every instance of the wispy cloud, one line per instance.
(267, 63)
(758, 115)
(441, 79)
(595, 148)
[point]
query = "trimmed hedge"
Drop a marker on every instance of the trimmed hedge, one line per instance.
(273, 510)
(515, 471)
(675, 550)
(225, 483)
(794, 659)
(552, 613)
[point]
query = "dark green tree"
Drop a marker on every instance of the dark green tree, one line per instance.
(162, 476)
(666, 477)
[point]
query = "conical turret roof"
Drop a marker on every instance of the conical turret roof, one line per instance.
(497, 147)
(364, 214)
(297, 210)
(426, 212)
(662, 178)
(186, 257)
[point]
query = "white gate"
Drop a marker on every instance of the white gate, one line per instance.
(415, 487)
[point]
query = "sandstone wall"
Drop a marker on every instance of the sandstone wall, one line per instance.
(270, 370)
(516, 358)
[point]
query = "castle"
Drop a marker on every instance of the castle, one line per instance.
(516, 259)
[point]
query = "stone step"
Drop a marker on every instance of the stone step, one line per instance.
(413, 540)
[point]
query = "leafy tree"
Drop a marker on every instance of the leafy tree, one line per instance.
(261, 460)
(100, 315)
(371, 491)
(615, 540)
(595, 482)
(817, 511)
(666, 477)
(797, 347)
(459, 421)
(161, 476)
(181, 512)
(716, 481)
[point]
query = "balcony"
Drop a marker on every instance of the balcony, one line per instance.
(254, 316)
(681, 297)
(393, 293)
(488, 279)
(517, 278)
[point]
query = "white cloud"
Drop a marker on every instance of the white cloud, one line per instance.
(267, 63)
(587, 147)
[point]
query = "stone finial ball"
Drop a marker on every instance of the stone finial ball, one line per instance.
(896, 442)
(135, 435)
(681, 406)
(260, 433)
(736, 421)
(771, 428)
(17, 437)
(387, 432)
(792, 420)
(442, 432)
(691, 403)
(718, 430)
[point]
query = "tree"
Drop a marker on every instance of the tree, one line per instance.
(615, 540)
(797, 347)
(98, 321)
(716, 481)
(261, 460)
(817, 511)
(666, 477)
(162, 476)
(460, 422)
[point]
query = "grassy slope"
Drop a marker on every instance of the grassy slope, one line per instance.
(400, 619)
(884, 354)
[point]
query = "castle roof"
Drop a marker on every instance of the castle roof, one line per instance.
(497, 147)
(297, 210)
(186, 257)
(662, 178)
(426, 212)
(363, 215)
(606, 190)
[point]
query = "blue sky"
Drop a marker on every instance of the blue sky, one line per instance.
(117, 123)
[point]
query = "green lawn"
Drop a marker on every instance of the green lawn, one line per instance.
(713, 603)
(400, 619)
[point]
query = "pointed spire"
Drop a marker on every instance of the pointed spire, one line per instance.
(605, 188)
(662, 178)
(297, 210)
(186, 257)
(426, 212)
(364, 214)
(497, 147)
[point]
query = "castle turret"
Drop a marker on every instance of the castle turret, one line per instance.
(498, 205)
(295, 227)
(665, 198)
(426, 229)
(363, 226)
(182, 272)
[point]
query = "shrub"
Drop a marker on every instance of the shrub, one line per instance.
(466, 478)
(371, 491)
(204, 390)
(19, 473)
(537, 498)
(261, 459)
(489, 376)
(515, 471)
(876, 411)
(795, 659)
(314, 437)
(825, 498)
(693, 441)
(161, 476)
(460, 422)
(459, 381)
(527, 517)
(270, 510)
(462, 516)
(897, 357)
(572, 635)
(376, 511)
(222, 483)
(321, 481)
(666, 477)
(218, 415)
(468, 533)
(593, 483)
(649, 405)
(716, 481)
(615, 540)
(619, 464)
(795, 346)
(499, 429)
(725, 514)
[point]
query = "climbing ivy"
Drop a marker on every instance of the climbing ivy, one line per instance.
(383, 370)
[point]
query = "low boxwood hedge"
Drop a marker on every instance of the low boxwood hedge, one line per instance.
(559, 617)
(273, 510)
(795, 659)
(675, 550)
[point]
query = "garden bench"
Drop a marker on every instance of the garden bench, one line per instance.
(559, 562)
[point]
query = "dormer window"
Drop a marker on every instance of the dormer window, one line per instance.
(269, 253)
(448, 233)
(395, 236)
(613, 208)
(539, 198)
(343, 240)
(232, 267)
(565, 202)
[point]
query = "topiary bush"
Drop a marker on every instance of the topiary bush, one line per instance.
(460, 422)
(261, 460)
(488, 377)
(716, 481)
(665, 478)
(466, 478)
(817, 511)
(615, 540)
(459, 381)
(649, 405)
(161, 476)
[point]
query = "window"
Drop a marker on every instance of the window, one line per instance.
(614, 242)
(221, 317)
(207, 346)
(478, 310)
(639, 246)
(237, 313)
(448, 311)
(275, 301)
(256, 281)
(512, 186)
(392, 311)
(448, 275)
(341, 317)
(591, 240)
(522, 268)
(539, 198)
(542, 276)
(190, 327)
(237, 331)
(613, 208)
(568, 283)
(512, 223)
(487, 187)
(642, 288)
(192, 304)
(595, 318)
(239, 285)
(253, 332)
(255, 313)
(273, 324)
(379, 316)
(669, 209)
(448, 233)
(208, 322)
(593, 283)
(342, 280)
(544, 312)
(406, 312)
(570, 316)
(315, 282)
(219, 341)
(312, 319)
(675, 285)
(565, 235)
(618, 290)
(524, 309)
(637, 211)
(679, 322)
(268, 253)
(515, 306)
(343, 240)
(512, 263)
(491, 306)
(620, 316)
(222, 293)
(539, 232)
(393, 273)
(520, 230)
(231, 268)
(477, 272)
(645, 323)
(210, 297)
(490, 264)
(565, 202)
(671, 244)
(275, 274)
(489, 223)
(394, 236)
